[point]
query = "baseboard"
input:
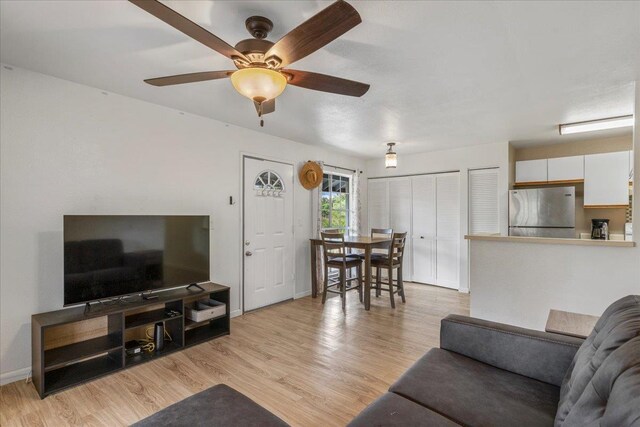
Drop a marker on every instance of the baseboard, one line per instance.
(9, 377)
(463, 290)
(235, 313)
(302, 294)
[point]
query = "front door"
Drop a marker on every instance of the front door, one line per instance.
(268, 232)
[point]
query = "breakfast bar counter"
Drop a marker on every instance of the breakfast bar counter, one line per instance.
(517, 280)
(551, 240)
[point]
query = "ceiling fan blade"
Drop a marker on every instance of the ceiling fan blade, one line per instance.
(324, 83)
(188, 78)
(188, 27)
(268, 106)
(316, 32)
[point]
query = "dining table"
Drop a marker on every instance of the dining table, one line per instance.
(365, 243)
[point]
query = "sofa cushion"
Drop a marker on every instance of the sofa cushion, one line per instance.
(474, 393)
(393, 410)
(619, 324)
(612, 397)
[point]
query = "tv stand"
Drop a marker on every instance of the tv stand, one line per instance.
(79, 344)
(195, 285)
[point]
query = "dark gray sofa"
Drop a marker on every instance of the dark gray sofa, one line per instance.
(491, 374)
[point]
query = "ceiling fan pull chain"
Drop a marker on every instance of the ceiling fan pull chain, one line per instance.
(260, 102)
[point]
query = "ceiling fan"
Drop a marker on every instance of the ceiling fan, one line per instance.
(261, 74)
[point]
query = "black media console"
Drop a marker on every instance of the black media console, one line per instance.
(73, 346)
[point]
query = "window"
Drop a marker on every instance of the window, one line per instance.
(335, 201)
(268, 183)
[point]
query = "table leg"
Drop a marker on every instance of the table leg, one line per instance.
(367, 278)
(314, 271)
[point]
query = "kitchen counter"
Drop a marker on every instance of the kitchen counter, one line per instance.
(551, 240)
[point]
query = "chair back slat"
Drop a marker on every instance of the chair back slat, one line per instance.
(381, 232)
(333, 231)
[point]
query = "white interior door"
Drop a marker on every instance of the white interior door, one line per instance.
(268, 233)
(424, 228)
(448, 230)
(400, 216)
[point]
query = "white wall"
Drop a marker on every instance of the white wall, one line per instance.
(68, 148)
(518, 283)
(480, 156)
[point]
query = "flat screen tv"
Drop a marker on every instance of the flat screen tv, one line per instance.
(108, 256)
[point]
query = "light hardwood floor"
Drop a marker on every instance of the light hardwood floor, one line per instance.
(310, 365)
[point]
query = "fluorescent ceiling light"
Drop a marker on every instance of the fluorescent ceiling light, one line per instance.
(593, 125)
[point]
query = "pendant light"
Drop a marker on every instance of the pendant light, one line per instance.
(391, 158)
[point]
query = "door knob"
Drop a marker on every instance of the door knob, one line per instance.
(247, 243)
(248, 253)
(422, 237)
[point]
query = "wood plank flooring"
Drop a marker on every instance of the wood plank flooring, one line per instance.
(307, 363)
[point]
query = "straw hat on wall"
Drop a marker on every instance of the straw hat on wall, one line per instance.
(310, 175)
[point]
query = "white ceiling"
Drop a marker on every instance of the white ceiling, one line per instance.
(442, 74)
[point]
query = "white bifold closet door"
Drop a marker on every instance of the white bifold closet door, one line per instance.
(424, 228)
(427, 207)
(448, 230)
(378, 201)
(400, 216)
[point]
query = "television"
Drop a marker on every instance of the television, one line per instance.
(107, 256)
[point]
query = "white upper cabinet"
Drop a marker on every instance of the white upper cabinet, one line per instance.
(565, 168)
(606, 179)
(531, 170)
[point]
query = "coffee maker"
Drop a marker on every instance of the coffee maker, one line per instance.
(600, 229)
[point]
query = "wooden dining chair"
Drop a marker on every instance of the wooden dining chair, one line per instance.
(336, 257)
(379, 253)
(393, 261)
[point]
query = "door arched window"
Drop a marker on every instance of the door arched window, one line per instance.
(268, 183)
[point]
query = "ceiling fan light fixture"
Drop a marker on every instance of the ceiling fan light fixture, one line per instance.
(258, 84)
(390, 158)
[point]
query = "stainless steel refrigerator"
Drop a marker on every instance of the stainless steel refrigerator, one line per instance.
(543, 212)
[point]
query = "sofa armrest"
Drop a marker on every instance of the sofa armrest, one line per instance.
(540, 355)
